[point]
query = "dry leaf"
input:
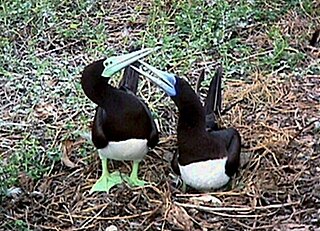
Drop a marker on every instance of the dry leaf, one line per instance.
(44, 110)
(180, 218)
(67, 148)
(206, 198)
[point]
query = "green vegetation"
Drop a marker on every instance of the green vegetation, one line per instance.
(190, 31)
(18, 225)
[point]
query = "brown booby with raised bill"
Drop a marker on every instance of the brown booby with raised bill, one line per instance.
(123, 128)
(207, 156)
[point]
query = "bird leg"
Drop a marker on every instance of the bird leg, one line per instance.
(133, 179)
(107, 180)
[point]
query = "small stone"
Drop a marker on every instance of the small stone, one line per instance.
(317, 126)
(14, 192)
(112, 228)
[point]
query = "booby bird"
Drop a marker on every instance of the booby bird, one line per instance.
(123, 128)
(207, 157)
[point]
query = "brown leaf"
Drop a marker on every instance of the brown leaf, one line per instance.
(180, 218)
(26, 182)
(67, 148)
(44, 110)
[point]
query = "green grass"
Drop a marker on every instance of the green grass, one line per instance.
(44, 45)
(191, 30)
(18, 225)
(36, 79)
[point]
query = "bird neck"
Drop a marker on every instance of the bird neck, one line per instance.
(97, 87)
(192, 114)
(191, 117)
(191, 127)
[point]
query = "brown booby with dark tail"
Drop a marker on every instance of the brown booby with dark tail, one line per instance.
(207, 156)
(123, 128)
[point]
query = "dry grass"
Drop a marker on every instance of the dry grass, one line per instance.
(277, 187)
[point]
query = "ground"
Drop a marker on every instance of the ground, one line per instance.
(271, 76)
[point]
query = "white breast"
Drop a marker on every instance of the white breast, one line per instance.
(132, 149)
(205, 175)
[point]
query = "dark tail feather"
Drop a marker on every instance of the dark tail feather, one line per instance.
(199, 81)
(315, 38)
(130, 79)
(214, 101)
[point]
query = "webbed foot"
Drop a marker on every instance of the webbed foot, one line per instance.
(107, 180)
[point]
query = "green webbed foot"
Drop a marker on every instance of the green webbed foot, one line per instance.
(135, 182)
(133, 179)
(107, 180)
(105, 183)
(184, 187)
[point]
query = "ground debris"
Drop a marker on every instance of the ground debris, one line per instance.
(277, 114)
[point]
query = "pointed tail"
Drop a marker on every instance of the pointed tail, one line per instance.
(130, 79)
(214, 101)
(315, 38)
(199, 81)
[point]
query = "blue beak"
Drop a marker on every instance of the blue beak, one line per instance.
(116, 63)
(166, 81)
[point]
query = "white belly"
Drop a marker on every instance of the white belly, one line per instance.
(205, 175)
(132, 149)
